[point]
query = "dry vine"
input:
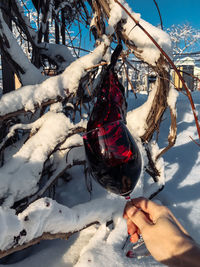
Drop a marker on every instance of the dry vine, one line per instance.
(171, 63)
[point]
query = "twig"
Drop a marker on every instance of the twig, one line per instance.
(54, 176)
(151, 170)
(80, 37)
(161, 23)
(131, 65)
(95, 66)
(129, 81)
(44, 236)
(189, 74)
(71, 41)
(83, 49)
(195, 141)
(18, 112)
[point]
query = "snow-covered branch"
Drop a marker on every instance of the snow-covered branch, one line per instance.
(26, 71)
(46, 219)
(27, 162)
(69, 154)
(30, 97)
(183, 37)
(60, 55)
(133, 35)
(23, 22)
(46, 15)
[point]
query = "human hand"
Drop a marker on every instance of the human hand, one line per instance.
(164, 236)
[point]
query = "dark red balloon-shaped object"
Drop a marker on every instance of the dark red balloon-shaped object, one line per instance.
(113, 155)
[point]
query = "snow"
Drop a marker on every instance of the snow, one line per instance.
(186, 61)
(138, 127)
(58, 53)
(9, 226)
(116, 14)
(147, 50)
(102, 245)
(26, 164)
(31, 96)
(172, 98)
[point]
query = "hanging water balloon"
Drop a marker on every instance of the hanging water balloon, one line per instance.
(112, 154)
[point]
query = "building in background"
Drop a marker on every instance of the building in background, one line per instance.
(197, 79)
(186, 67)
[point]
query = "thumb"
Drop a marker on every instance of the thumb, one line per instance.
(138, 217)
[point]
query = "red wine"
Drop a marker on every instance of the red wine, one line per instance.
(111, 151)
(110, 105)
(113, 157)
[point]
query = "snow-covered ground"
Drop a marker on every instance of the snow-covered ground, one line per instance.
(102, 246)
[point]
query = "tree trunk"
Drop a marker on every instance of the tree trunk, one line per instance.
(7, 73)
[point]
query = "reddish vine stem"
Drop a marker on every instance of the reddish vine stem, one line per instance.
(170, 62)
(195, 141)
(189, 74)
(161, 23)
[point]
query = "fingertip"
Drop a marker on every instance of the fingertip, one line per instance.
(134, 238)
(131, 227)
(130, 231)
(125, 216)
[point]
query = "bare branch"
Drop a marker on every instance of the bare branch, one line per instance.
(44, 236)
(161, 23)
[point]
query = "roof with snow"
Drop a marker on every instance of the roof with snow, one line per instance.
(185, 61)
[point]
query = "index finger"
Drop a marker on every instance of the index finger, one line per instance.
(151, 208)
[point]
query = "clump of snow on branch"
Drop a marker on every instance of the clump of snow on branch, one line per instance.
(138, 126)
(72, 75)
(171, 101)
(172, 98)
(117, 13)
(9, 227)
(29, 97)
(58, 53)
(47, 216)
(148, 51)
(26, 165)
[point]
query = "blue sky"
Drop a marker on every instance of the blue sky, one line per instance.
(172, 11)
